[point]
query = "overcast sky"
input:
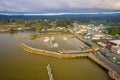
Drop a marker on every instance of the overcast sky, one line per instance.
(47, 5)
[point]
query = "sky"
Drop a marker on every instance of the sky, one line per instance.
(57, 5)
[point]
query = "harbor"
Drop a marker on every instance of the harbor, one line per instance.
(19, 64)
(112, 73)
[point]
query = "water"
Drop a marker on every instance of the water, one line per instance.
(16, 64)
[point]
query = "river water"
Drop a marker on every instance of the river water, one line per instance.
(16, 64)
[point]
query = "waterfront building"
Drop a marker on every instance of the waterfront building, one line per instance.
(115, 46)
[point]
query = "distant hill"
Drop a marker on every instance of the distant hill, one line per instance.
(104, 16)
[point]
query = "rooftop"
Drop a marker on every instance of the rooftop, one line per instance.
(115, 41)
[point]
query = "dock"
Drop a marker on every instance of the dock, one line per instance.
(49, 72)
(74, 51)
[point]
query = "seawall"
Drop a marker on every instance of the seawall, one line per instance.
(49, 53)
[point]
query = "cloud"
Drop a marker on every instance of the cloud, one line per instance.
(43, 5)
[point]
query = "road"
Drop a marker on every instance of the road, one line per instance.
(114, 66)
(107, 59)
(89, 42)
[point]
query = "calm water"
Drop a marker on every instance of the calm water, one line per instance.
(16, 64)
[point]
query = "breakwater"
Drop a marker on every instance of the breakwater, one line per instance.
(49, 53)
(112, 73)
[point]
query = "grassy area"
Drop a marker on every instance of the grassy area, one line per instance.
(12, 25)
(99, 40)
(33, 36)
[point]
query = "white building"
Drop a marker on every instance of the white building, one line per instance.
(102, 44)
(116, 46)
(115, 49)
(115, 42)
(96, 37)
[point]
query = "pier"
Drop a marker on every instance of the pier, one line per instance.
(75, 52)
(49, 72)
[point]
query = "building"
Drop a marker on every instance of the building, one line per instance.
(115, 49)
(115, 46)
(114, 42)
(80, 29)
(96, 37)
(102, 44)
